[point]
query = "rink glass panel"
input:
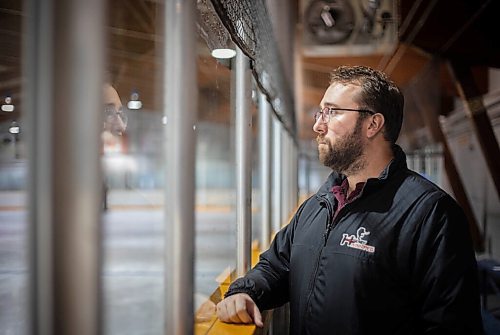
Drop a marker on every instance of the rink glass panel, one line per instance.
(14, 159)
(133, 174)
(215, 227)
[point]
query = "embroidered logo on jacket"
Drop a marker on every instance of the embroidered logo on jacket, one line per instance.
(357, 241)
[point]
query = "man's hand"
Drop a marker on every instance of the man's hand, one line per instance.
(239, 308)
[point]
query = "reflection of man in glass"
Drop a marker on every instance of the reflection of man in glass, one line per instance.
(115, 120)
(115, 123)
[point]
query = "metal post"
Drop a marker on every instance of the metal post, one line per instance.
(65, 101)
(295, 176)
(243, 163)
(37, 68)
(427, 152)
(277, 172)
(440, 165)
(79, 55)
(307, 171)
(417, 161)
(180, 108)
(265, 169)
(409, 160)
(285, 177)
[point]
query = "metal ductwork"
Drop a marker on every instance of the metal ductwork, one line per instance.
(346, 27)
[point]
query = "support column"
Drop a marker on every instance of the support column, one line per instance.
(285, 176)
(277, 175)
(63, 62)
(243, 126)
(180, 108)
(265, 169)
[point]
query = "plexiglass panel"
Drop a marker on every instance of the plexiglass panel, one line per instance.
(215, 175)
(132, 220)
(14, 232)
(215, 240)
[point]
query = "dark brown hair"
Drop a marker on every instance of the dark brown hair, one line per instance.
(379, 94)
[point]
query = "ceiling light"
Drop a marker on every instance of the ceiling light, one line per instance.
(223, 53)
(14, 128)
(134, 102)
(7, 106)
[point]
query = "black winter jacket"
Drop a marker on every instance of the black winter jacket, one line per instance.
(397, 260)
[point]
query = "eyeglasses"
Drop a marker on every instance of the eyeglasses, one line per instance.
(326, 112)
(111, 112)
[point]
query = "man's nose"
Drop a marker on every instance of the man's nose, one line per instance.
(122, 125)
(319, 126)
(119, 125)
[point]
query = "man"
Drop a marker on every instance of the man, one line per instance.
(115, 120)
(378, 249)
(114, 125)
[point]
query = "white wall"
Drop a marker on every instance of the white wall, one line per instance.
(472, 166)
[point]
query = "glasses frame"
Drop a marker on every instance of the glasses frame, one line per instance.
(326, 112)
(110, 112)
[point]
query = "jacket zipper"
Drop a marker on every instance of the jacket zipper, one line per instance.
(326, 234)
(325, 238)
(329, 227)
(332, 224)
(336, 218)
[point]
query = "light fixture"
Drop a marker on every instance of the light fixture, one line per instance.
(7, 106)
(223, 53)
(134, 102)
(14, 128)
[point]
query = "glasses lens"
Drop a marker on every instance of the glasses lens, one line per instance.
(323, 114)
(318, 116)
(110, 112)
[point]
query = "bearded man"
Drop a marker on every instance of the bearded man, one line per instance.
(378, 249)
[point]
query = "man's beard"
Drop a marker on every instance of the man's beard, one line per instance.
(346, 155)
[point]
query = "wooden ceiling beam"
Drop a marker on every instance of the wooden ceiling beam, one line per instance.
(425, 93)
(477, 114)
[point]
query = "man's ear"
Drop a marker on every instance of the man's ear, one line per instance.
(375, 124)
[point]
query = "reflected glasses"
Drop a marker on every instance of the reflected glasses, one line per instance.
(111, 112)
(325, 113)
